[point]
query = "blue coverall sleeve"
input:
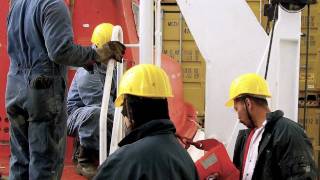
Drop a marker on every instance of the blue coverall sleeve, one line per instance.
(73, 100)
(87, 90)
(58, 35)
(90, 87)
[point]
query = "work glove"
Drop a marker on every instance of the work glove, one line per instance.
(112, 49)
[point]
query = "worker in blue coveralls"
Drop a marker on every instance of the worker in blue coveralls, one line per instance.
(40, 46)
(84, 106)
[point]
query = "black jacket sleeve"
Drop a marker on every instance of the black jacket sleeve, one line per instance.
(294, 151)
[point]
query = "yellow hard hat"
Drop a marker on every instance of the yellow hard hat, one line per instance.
(145, 80)
(251, 84)
(102, 34)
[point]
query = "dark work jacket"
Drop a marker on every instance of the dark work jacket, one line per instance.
(284, 152)
(150, 152)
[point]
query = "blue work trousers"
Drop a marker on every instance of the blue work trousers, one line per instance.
(84, 123)
(36, 107)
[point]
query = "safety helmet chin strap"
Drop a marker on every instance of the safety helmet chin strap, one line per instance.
(248, 113)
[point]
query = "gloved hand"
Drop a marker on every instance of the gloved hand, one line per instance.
(112, 49)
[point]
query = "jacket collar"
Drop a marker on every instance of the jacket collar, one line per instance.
(274, 116)
(151, 128)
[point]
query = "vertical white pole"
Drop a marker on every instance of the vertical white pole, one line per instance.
(158, 34)
(146, 31)
(117, 35)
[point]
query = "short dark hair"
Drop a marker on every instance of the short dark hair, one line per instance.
(143, 109)
(260, 101)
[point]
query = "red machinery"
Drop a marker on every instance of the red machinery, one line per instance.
(215, 161)
(85, 16)
(4, 123)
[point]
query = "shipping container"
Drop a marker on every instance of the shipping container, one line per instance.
(179, 44)
(312, 126)
(312, 77)
(257, 7)
(314, 46)
(313, 99)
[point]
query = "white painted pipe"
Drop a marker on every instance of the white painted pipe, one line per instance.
(118, 130)
(158, 34)
(146, 32)
(117, 35)
(118, 126)
(132, 45)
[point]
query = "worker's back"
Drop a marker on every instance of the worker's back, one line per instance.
(28, 45)
(151, 151)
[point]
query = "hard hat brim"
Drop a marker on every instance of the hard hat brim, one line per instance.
(229, 103)
(119, 101)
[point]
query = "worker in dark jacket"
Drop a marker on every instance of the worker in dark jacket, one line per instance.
(40, 45)
(273, 147)
(84, 106)
(150, 150)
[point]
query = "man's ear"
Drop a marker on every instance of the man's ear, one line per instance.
(248, 103)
